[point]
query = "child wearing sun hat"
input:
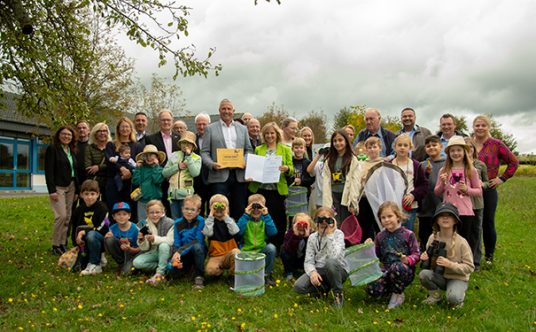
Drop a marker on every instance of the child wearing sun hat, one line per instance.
(148, 175)
(450, 268)
(181, 169)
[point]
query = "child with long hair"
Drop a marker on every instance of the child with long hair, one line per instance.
(325, 267)
(417, 182)
(293, 253)
(450, 271)
(458, 181)
(340, 185)
(398, 251)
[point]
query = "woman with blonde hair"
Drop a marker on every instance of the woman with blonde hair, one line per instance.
(308, 136)
(94, 160)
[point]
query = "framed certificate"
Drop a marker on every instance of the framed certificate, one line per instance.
(230, 158)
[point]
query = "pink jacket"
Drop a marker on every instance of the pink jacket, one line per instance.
(451, 193)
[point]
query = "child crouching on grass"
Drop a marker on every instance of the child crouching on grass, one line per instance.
(398, 251)
(121, 241)
(325, 266)
(453, 269)
(90, 224)
(220, 230)
(154, 239)
(256, 225)
(293, 253)
(188, 241)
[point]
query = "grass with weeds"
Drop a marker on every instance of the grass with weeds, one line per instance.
(37, 295)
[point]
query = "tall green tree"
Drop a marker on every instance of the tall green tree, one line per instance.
(45, 66)
(274, 113)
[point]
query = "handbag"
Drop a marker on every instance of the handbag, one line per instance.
(68, 259)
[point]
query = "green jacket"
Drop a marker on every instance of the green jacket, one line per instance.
(255, 232)
(181, 182)
(283, 151)
(149, 178)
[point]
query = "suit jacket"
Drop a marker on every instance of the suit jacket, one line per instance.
(283, 151)
(58, 171)
(213, 140)
(157, 140)
(388, 138)
(202, 178)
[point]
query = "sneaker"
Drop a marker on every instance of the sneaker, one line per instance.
(91, 269)
(396, 300)
(457, 306)
(434, 297)
(103, 260)
(338, 300)
(268, 280)
(289, 278)
(155, 280)
(199, 282)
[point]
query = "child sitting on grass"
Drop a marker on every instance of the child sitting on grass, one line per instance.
(256, 225)
(324, 265)
(398, 251)
(89, 225)
(121, 241)
(154, 239)
(188, 241)
(455, 267)
(220, 230)
(293, 253)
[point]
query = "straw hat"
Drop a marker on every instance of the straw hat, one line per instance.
(457, 140)
(189, 137)
(151, 149)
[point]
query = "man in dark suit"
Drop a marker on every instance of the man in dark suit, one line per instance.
(202, 120)
(254, 131)
(140, 123)
(166, 141)
(373, 120)
(226, 133)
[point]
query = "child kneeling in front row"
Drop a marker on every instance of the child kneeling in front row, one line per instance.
(256, 225)
(121, 241)
(154, 239)
(295, 243)
(89, 225)
(398, 251)
(188, 242)
(454, 268)
(325, 266)
(220, 230)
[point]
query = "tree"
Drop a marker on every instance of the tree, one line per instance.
(275, 113)
(45, 65)
(160, 95)
(317, 122)
(461, 123)
(354, 115)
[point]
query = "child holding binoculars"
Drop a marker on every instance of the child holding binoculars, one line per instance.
(293, 253)
(325, 267)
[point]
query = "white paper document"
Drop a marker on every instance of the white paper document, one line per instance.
(263, 169)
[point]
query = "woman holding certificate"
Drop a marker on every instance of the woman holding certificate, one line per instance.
(275, 193)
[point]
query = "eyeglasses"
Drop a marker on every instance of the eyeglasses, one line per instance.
(155, 212)
(189, 209)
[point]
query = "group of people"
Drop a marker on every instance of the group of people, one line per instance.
(164, 202)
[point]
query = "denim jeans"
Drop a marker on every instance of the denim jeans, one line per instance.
(123, 258)
(176, 209)
(410, 222)
(94, 246)
(196, 257)
(154, 259)
(269, 250)
(455, 288)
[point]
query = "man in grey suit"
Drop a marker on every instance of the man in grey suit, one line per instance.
(226, 133)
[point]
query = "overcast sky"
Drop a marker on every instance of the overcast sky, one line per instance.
(462, 57)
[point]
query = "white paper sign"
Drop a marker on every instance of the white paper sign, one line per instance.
(263, 169)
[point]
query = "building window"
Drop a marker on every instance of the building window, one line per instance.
(15, 165)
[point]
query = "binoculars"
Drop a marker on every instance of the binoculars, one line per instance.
(219, 206)
(435, 250)
(256, 206)
(328, 220)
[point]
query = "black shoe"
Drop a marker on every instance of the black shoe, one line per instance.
(230, 281)
(56, 251)
(63, 247)
(268, 280)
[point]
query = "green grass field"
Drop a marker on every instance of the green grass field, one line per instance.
(35, 294)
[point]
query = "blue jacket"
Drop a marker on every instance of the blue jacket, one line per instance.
(187, 234)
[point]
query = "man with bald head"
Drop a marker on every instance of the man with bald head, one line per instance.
(180, 127)
(415, 132)
(227, 134)
(373, 127)
(254, 130)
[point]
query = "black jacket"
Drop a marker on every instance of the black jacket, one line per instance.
(58, 172)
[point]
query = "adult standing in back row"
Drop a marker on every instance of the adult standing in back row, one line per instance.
(166, 141)
(226, 134)
(417, 133)
(492, 151)
(373, 120)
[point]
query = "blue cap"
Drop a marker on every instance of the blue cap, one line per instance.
(121, 206)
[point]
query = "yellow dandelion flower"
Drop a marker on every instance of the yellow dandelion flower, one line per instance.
(80, 306)
(55, 309)
(209, 325)
(375, 322)
(193, 318)
(10, 300)
(20, 328)
(295, 305)
(388, 322)
(243, 326)
(123, 318)
(162, 299)
(233, 318)
(121, 305)
(449, 317)
(43, 312)
(100, 314)
(386, 310)
(239, 310)
(278, 281)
